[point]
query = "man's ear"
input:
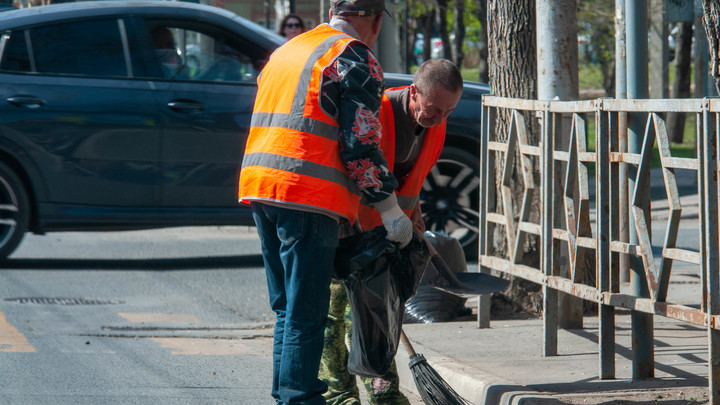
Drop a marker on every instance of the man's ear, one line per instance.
(413, 89)
(377, 23)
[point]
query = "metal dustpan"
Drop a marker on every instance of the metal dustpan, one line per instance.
(465, 285)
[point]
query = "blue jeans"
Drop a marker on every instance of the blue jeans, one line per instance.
(298, 250)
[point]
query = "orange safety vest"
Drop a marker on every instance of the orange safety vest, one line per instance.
(410, 186)
(293, 153)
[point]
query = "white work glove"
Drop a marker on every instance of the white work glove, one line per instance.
(397, 224)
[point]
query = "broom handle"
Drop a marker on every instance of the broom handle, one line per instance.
(406, 342)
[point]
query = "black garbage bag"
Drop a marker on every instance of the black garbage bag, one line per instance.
(429, 304)
(446, 283)
(379, 278)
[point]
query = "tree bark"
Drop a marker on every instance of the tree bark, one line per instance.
(428, 23)
(711, 18)
(441, 16)
(484, 74)
(459, 30)
(511, 52)
(681, 82)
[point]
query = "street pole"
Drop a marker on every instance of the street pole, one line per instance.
(557, 61)
(387, 44)
(637, 88)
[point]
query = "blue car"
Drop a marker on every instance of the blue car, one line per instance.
(131, 115)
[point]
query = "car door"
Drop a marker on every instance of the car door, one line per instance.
(206, 82)
(70, 100)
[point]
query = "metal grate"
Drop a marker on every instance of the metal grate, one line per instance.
(64, 301)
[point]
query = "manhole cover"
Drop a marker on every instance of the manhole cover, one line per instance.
(64, 301)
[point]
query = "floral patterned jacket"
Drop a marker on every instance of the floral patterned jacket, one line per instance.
(351, 92)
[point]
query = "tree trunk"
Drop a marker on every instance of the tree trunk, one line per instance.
(428, 22)
(711, 18)
(459, 30)
(513, 73)
(681, 83)
(441, 16)
(484, 74)
(511, 42)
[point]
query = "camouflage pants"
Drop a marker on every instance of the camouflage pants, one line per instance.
(342, 389)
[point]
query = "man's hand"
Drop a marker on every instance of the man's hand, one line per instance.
(398, 225)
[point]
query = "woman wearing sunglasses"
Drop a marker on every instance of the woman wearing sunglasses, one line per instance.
(292, 26)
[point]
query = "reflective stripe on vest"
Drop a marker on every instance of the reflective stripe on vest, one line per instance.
(410, 186)
(293, 154)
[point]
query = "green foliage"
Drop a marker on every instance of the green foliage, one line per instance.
(418, 9)
(590, 77)
(596, 26)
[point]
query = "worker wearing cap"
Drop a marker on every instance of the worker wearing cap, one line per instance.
(312, 154)
(413, 120)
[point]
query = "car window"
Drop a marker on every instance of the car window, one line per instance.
(189, 54)
(92, 48)
(88, 48)
(14, 56)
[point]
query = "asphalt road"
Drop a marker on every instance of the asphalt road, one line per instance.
(172, 316)
(168, 316)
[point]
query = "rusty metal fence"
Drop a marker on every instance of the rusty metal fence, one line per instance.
(566, 232)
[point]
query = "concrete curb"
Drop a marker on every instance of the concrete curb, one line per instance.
(472, 384)
(504, 365)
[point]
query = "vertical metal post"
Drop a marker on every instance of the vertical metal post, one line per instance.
(388, 43)
(637, 88)
(607, 325)
(621, 93)
(709, 188)
(603, 216)
(550, 295)
(483, 319)
(701, 179)
(701, 73)
(557, 53)
(557, 58)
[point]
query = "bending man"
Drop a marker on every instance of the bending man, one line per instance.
(413, 121)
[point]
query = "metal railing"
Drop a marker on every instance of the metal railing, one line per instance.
(574, 243)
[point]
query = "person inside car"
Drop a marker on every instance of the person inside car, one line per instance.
(291, 26)
(167, 52)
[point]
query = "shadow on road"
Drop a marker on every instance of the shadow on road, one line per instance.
(161, 264)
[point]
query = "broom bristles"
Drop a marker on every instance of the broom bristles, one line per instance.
(433, 389)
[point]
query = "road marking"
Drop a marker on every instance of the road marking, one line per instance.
(203, 346)
(185, 346)
(11, 340)
(158, 318)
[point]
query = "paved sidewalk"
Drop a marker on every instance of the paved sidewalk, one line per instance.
(505, 365)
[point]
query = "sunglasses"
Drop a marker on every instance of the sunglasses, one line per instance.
(290, 25)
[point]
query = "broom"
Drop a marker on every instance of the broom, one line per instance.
(432, 387)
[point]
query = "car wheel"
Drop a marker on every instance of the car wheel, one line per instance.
(14, 211)
(450, 198)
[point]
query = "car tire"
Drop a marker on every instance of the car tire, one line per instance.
(450, 198)
(14, 211)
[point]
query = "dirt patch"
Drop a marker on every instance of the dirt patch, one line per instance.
(521, 300)
(661, 396)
